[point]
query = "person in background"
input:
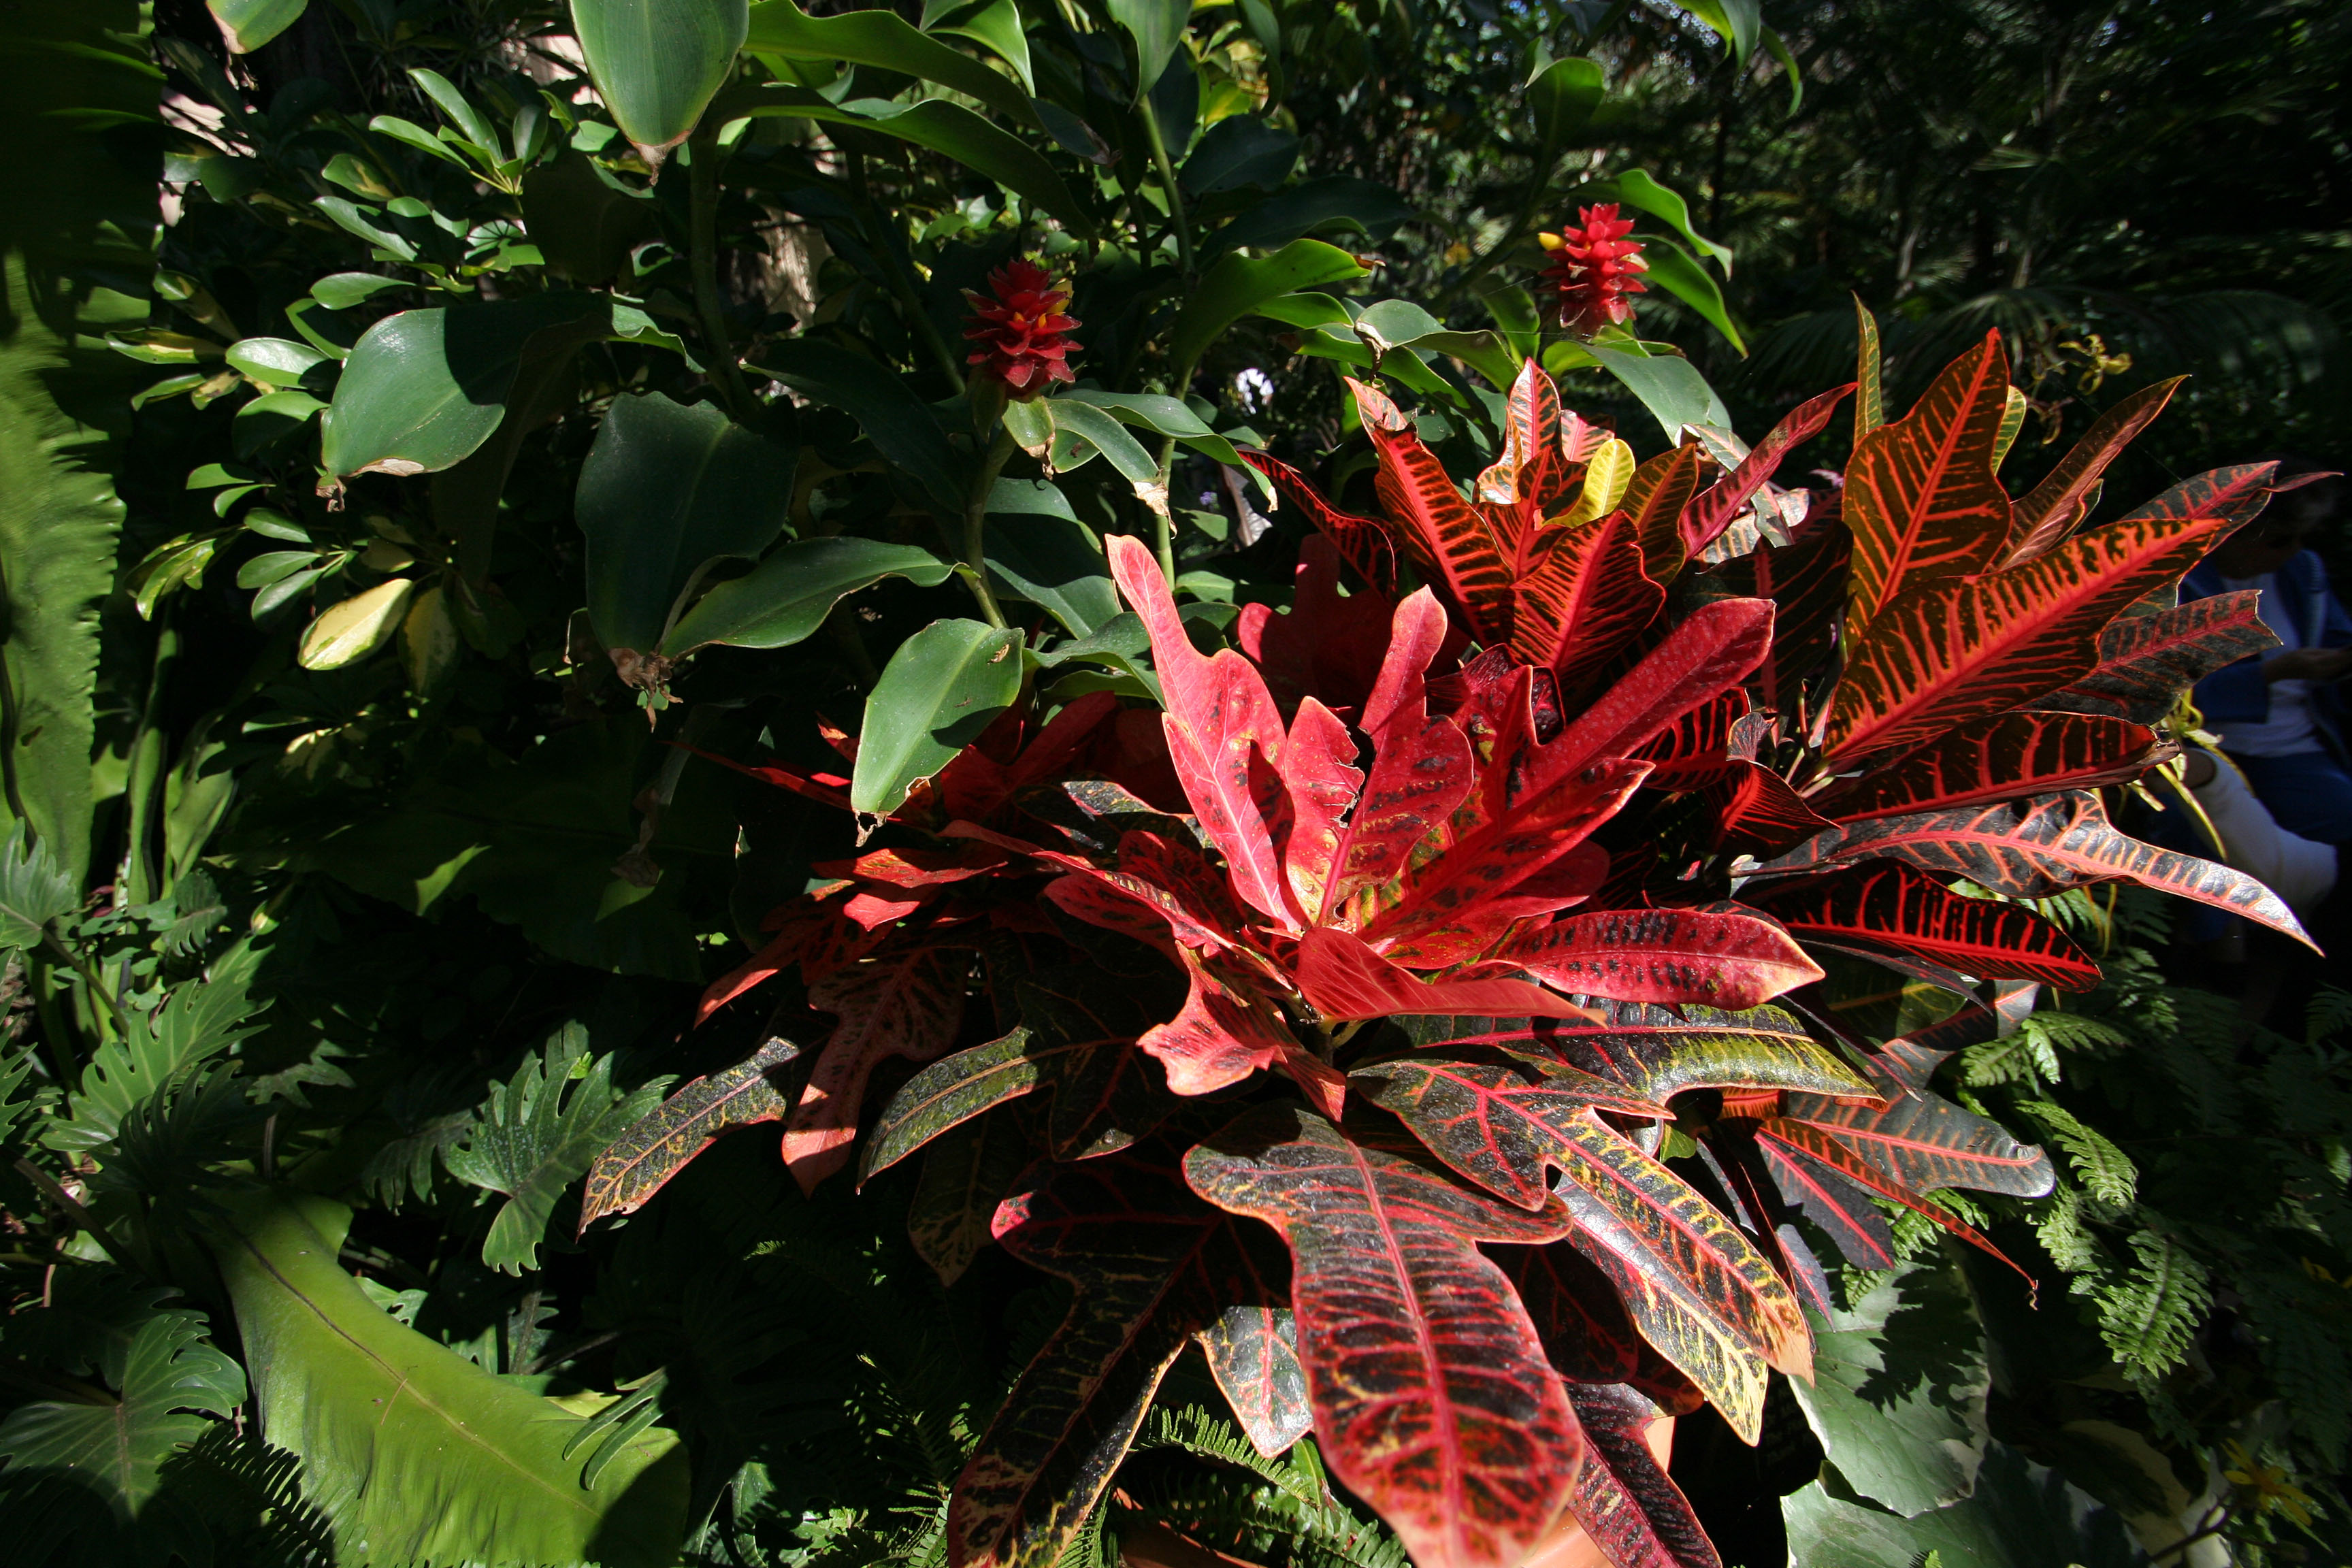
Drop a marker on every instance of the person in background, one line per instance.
(2279, 714)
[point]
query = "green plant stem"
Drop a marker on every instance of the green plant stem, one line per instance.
(975, 525)
(703, 154)
(82, 1219)
(142, 880)
(902, 282)
(1163, 520)
(98, 993)
(1161, 161)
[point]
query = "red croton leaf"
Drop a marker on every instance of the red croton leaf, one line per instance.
(2147, 661)
(905, 1000)
(1341, 979)
(1938, 655)
(1722, 958)
(1655, 1053)
(1846, 1212)
(658, 1145)
(1420, 763)
(1714, 649)
(1785, 1138)
(1524, 486)
(1924, 1142)
(1584, 1327)
(1226, 1031)
(1151, 1266)
(1327, 643)
(2056, 505)
(1451, 541)
(1224, 732)
(1887, 904)
(1585, 600)
(1653, 502)
(1805, 579)
(1433, 1396)
(1711, 512)
(1501, 1123)
(1998, 758)
(2035, 848)
(1362, 542)
(1921, 497)
(1624, 1497)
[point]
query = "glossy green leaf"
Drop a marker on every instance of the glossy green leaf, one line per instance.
(1563, 96)
(1668, 386)
(1106, 434)
(880, 39)
(246, 24)
(1672, 269)
(1736, 22)
(2021, 1516)
(275, 360)
(1157, 28)
(939, 691)
(412, 1451)
(668, 489)
(1239, 149)
(1237, 285)
(537, 1134)
(1637, 188)
(34, 889)
(658, 63)
(348, 632)
(423, 388)
(788, 596)
(997, 27)
(1339, 200)
(340, 290)
(1056, 564)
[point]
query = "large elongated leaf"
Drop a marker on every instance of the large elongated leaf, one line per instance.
(1711, 512)
(2058, 503)
(1921, 495)
(1655, 500)
(1433, 1396)
(658, 63)
(668, 488)
(1151, 1266)
(1940, 655)
(414, 1453)
(1721, 958)
(2147, 661)
(1625, 1501)
(1586, 601)
(788, 596)
(902, 426)
(1421, 769)
(1926, 1141)
(2038, 847)
(1362, 543)
(423, 389)
(906, 999)
(1447, 537)
(879, 39)
(1999, 758)
(1500, 1123)
(1655, 1053)
(246, 24)
(1237, 284)
(944, 686)
(1891, 905)
(635, 1166)
(536, 1135)
(2020, 1516)
(1342, 978)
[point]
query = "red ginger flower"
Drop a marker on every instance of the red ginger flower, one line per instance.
(1593, 269)
(1025, 337)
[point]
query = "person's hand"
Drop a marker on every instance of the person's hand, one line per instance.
(2309, 664)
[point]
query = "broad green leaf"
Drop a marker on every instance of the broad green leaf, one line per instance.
(1162, 416)
(1672, 268)
(627, 1173)
(668, 489)
(1668, 386)
(201, 1020)
(340, 290)
(1898, 1390)
(880, 39)
(1736, 22)
(1237, 285)
(584, 222)
(1339, 199)
(1056, 564)
(536, 1135)
(939, 691)
(469, 120)
(345, 632)
(1157, 28)
(172, 1380)
(1636, 188)
(275, 360)
(58, 529)
(412, 1451)
(788, 596)
(1239, 149)
(998, 27)
(34, 889)
(2021, 1516)
(1400, 324)
(1106, 434)
(269, 419)
(901, 425)
(658, 63)
(423, 388)
(1563, 96)
(949, 128)
(246, 24)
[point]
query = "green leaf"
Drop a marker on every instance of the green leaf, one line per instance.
(1056, 564)
(584, 222)
(1106, 434)
(1736, 22)
(901, 425)
(1668, 386)
(1337, 199)
(276, 360)
(1672, 268)
(1237, 151)
(996, 27)
(787, 596)
(414, 1452)
(2022, 1516)
(269, 419)
(58, 532)
(349, 631)
(246, 24)
(939, 691)
(1635, 188)
(626, 1173)
(200, 1021)
(658, 63)
(536, 1135)
(423, 389)
(1238, 285)
(1777, 47)
(172, 1380)
(452, 103)
(1898, 1391)
(879, 39)
(341, 290)
(668, 489)
(1563, 96)
(1158, 27)
(34, 889)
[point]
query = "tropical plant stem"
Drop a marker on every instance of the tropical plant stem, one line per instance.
(1161, 161)
(1163, 519)
(98, 993)
(78, 1216)
(703, 154)
(975, 526)
(902, 282)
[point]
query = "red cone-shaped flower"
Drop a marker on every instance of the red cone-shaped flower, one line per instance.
(1594, 266)
(1024, 337)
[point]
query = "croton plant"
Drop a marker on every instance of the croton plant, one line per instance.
(1439, 1011)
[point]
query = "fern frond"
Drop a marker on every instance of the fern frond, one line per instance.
(2106, 1172)
(2058, 1222)
(2149, 1316)
(2330, 1013)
